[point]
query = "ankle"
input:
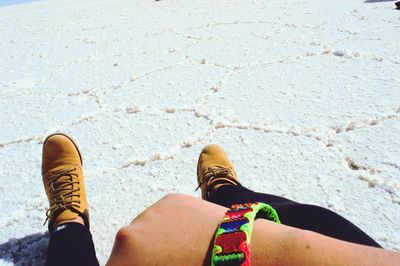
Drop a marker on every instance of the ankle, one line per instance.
(78, 220)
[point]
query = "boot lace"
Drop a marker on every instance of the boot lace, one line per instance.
(63, 192)
(215, 173)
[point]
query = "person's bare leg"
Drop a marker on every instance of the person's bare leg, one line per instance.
(179, 220)
(179, 230)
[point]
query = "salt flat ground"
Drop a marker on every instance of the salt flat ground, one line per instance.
(303, 95)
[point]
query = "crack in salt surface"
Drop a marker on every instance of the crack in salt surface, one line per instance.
(394, 165)
(196, 38)
(372, 183)
(386, 188)
(155, 158)
(41, 138)
(272, 22)
(132, 78)
(355, 166)
(183, 145)
(83, 119)
(363, 123)
(28, 139)
(236, 22)
(159, 157)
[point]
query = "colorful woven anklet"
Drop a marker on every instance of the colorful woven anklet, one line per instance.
(232, 240)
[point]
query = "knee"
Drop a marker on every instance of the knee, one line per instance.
(123, 251)
(124, 236)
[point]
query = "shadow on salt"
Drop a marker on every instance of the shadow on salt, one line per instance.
(28, 250)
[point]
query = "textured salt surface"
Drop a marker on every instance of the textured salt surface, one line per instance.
(303, 95)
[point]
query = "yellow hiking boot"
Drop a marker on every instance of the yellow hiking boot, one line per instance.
(214, 170)
(63, 180)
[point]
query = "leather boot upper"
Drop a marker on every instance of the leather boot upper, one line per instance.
(213, 168)
(63, 180)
